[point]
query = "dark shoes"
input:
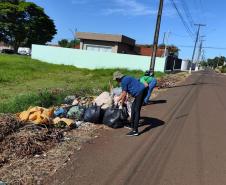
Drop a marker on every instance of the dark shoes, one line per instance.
(133, 133)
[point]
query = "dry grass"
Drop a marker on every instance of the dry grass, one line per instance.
(31, 159)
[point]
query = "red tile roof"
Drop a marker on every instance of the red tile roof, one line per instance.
(147, 51)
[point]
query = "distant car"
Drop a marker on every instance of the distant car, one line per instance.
(8, 51)
(24, 51)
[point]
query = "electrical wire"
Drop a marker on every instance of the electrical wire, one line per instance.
(187, 13)
(178, 35)
(206, 47)
(188, 30)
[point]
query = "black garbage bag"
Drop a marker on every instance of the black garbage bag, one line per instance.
(92, 114)
(115, 117)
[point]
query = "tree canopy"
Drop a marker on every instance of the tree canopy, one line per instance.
(217, 61)
(24, 23)
(68, 44)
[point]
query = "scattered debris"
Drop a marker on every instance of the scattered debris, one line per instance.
(29, 141)
(172, 80)
(33, 170)
(8, 124)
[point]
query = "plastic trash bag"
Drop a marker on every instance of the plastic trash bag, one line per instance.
(115, 117)
(76, 112)
(2, 183)
(104, 100)
(116, 91)
(93, 114)
(69, 100)
(60, 112)
(129, 108)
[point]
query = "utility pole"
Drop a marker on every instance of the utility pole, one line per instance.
(200, 48)
(165, 41)
(73, 32)
(164, 38)
(199, 54)
(156, 37)
(196, 40)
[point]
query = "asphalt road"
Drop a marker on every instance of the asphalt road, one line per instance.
(182, 143)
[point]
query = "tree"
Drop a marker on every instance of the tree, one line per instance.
(24, 23)
(203, 63)
(171, 48)
(63, 43)
(11, 1)
(73, 43)
(68, 44)
(217, 61)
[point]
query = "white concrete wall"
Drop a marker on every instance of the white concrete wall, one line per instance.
(94, 60)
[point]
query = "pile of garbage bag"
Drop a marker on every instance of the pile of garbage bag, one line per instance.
(75, 110)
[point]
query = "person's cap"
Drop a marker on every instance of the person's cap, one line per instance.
(117, 75)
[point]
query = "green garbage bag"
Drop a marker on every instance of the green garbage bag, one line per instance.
(76, 113)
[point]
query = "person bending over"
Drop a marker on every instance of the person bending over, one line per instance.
(150, 82)
(136, 89)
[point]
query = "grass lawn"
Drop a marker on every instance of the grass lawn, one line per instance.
(25, 82)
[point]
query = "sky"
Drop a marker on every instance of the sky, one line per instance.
(137, 19)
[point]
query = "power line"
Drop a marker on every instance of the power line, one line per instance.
(190, 33)
(178, 35)
(206, 47)
(187, 13)
(197, 37)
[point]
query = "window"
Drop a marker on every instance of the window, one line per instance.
(99, 48)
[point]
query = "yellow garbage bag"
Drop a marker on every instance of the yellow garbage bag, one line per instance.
(68, 122)
(37, 115)
(24, 116)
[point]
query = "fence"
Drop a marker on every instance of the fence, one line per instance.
(94, 60)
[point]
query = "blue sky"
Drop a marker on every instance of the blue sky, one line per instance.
(136, 19)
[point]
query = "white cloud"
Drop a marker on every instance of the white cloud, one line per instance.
(129, 7)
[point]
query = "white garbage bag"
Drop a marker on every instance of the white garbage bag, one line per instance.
(104, 100)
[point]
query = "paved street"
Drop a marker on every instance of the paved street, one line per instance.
(182, 142)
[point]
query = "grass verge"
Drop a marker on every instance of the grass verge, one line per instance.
(26, 82)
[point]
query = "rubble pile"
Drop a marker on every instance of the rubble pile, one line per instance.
(37, 130)
(166, 83)
(170, 81)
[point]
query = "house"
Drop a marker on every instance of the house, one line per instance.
(106, 43)
(146, 50)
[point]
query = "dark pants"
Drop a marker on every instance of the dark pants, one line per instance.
(136, 108)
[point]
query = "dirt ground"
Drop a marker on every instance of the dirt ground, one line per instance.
(182, 142)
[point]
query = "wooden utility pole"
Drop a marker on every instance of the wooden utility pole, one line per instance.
(156, 37)
(196, 40)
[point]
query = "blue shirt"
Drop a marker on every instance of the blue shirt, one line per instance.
(132, 85)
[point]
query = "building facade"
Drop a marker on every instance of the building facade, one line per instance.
(106, 43)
